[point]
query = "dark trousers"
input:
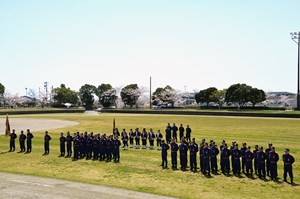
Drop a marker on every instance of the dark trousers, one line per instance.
(164, 160)
(29, 145)
(214, 164)
(22, 146)
(249, 168)
(144, 142)
(226, 166)
(183, 161)
(12, 145)
(117, 155)
(236, 166)
(89, 151)
(243, 164)
(206, 167)
(102, 153)
(108, 155)
(201, 164)
(261, 168)
(76, 152)
(193, 165)
(255, 166)
(95, 153)
(46, 147)
(181, 136)
(131, 141)
(188, 138)
(151, 142)
(125, 143)
(62, 149)
(288, 169)
(158, 142)
(174, 159)
(175, 136)
(268, 167)
(69, 149)
(273, 171)
(137, 141)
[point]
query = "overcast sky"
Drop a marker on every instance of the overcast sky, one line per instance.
(189, 43)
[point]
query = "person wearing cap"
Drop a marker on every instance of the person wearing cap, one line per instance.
(248, 161)
(201, 156)
(89, 146)
(151, 137)
(22, 139)
(197, 149)
(261, 163)
(214, 151)
(181, 132)
(193, 156)
(243, 150)
(29, 141)
(69, 140)
(109, 148)
(183, 148)
(273, 159)
(137, 138)
(188, 131)
(205, 158)
(168, 133)
(116, 149)
(47, 139)
(159, 137)
(164, 154)
(221, 149)
(62, 141)
(174, 149)
(255, 151)
(268, 150)
(288, 161)
(12, 142)
(174, 131)
(131, 138)
(235, 158)
(144, 138)
(225, 160)
(76, 147)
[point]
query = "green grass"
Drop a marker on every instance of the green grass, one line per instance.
(139, 169)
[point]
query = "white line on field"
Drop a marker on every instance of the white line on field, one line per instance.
(33, 183)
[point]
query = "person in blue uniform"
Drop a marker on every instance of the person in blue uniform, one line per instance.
(76, 147)
(188, 131)
(248, 161)
(261, 163)
(226, 153)
(69, 140)
(273, 159)
(183, 148)
(22, 139)
(174, 150)
(137, 138)
(288, 161)
(181, 132)
(164, 154)
(197, 149)
(255, 151)
(206, 155)
(89, 147)
(201, 156)
(168, 133)
(131, 138)
(124, 139)
(236, 163)
(243, 150)
(221, 149)
(159, 137)
(102, 149)
(109, 149)
(95, 146)
(116, 149)
(12, 142)
(144, 139)
(193, 156)
(174, 131)
(214, 152)
(62, 141)
(47, 139)
(268, 150)
(29, 141)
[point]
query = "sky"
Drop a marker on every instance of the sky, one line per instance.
(192, 44)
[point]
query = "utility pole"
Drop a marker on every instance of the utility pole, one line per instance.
(26, 92)
(150, 93)
(296, 38)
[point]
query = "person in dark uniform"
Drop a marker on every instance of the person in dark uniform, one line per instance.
(181, 131)
(201, 156)
(174, 149)
(214, 152)
(188, 133)
(168, 133)
(248, 161)
(22, 139)
(95, 146)
(288, 161)
(89, 147)
(174, 131)
(273, 159)
(268, 150)
(47, 139)
(76, 147)
(183, 148)
(137, 138)
(151, 137)
(102, 149)
(236, 163)
(144, 138)
(193, 156)
(206, 167)
(13, 137)
(29, 141)
(116, 149)
(69, 140)
(159, 137)
(197, 149)
(116, 133)
(62, 141)
(109, 149)
(164, 154)
(131, 138)
(124, 139)
(261, 163)
(243, 150)
(225, 160)
(255, 151)
(221, 148)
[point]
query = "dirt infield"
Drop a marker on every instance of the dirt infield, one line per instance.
(35, 124)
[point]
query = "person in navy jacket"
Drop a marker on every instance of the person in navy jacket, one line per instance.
(248, 161)
(226, 153)
(47, 139)
(164, 154)
(261, 163)
(288, 161)
(236, 163)
(214, 151)
(13, 137)
(273, 159)
(62, 141)
(174, 150)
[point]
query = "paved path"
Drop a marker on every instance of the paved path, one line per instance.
(26, 187)
(35, 124)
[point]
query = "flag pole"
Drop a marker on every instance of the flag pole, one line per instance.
(114, 125)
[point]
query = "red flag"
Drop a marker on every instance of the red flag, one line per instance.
(7, 127)
(114, 125)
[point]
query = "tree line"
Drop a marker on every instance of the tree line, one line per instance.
(237, 94)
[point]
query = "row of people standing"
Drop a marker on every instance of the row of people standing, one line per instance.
(136, 137)
(22, 140)
(265, 162)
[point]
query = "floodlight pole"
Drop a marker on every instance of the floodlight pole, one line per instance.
(296, 38)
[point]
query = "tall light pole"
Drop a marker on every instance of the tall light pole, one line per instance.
(296, 38)
(26, 92)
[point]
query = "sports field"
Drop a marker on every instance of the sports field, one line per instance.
(139, 169)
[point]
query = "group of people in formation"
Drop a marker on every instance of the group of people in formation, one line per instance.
(242, 159)
(136, 137)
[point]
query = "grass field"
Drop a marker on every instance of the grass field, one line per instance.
(139, 169)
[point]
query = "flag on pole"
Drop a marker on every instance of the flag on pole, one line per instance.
(7, 126)
(114, 125)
